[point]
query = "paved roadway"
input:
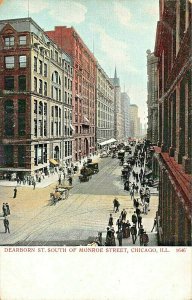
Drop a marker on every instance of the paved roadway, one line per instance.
(74, 221)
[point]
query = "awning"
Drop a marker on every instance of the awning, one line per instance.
(107, 142)
(72, 127)
(54, 162)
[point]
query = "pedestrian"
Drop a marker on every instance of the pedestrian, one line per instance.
(110, 238)
(134, 233)
(154, 225)
(110, 223)
(141, 231)
(145, 239)
(138, 212)
(120, 237)
(59, 180)
(116, 205)
(127, 229)
(136, 188)
(15, 192)
(70, 180)
(123, 215)
(34, 184)
(132, 194)
(4, 209)
(119, 223)
(6, 225)
(139, 219)
(134, 219)
(8, 209)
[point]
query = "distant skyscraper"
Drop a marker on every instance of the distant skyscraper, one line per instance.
(125, 101)
(152, 98)
(118, 117)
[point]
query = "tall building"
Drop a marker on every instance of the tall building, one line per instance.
(134, 121)
(125, 102)
(152, 98)
(36, 105)
(118, 116)
(105, 107)
(84, 86)
(174, 157)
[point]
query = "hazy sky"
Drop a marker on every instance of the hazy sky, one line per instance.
(122, 31)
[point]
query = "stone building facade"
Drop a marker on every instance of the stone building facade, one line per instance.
(105, 107)
(34, 128)
(84, 86)
(173, 164)
(152, 98)
(134, 121)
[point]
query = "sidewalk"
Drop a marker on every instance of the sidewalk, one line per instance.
(48, 180)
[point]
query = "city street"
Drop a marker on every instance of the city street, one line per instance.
(75, 221)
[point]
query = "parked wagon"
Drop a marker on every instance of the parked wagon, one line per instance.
(93, 166)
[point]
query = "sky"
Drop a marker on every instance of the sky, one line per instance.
(118, 32)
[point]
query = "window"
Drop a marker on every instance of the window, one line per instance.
(35, 127)
(35, 106)
(40, 86)
(45, 128)
(9, 62)
(8, 155)
(45, 70)
(40, 67)
(56, 111)
(21, 124)
(9, 83)
(22, 40)
(56, 55)
(21, 106)
(35, 84)
(9, 41)
(40, 127)
(40, 108)
(45, 88)
(22, 83)
(9, 118)
(22, 61)
(45, 109)
(21, 156)
(35, 63)
(51, 127)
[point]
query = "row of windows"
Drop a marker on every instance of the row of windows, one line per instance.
(9, 117)
(41, 68)
(9, 41)
(9, 155)
(9, 83)
(41, 88)
(10, 61)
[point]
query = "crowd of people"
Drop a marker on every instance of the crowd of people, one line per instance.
(136, 183)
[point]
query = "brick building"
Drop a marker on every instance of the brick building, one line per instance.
(84, 86)
(36, 99)
(174, 156)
